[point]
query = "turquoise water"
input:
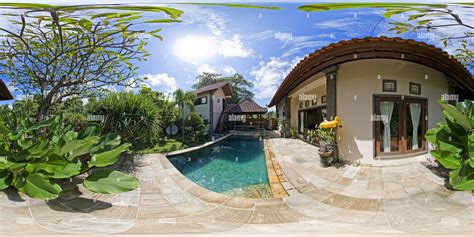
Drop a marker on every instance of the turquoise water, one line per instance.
(233, 163)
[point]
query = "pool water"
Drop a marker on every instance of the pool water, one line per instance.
(231, 164)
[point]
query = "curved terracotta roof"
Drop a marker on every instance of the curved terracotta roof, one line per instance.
(4, 92)
(375, 47)
(246, 106)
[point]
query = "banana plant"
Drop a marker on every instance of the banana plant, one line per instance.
(454, 143)
(34, 158)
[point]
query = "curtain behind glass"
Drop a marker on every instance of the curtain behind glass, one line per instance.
(415, 111)
(386, 109)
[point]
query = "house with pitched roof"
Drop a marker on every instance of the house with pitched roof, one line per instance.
(211, 103)
(384, 90)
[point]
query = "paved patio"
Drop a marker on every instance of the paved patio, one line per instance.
(405, 199)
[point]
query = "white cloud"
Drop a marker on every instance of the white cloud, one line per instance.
(162, 82)
(269, 75)
(206, 68)
(195, 48)
(233, 47)
(229, 70)
(226, 70)
(198, 48)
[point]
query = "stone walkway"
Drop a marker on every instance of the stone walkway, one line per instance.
(405, 199)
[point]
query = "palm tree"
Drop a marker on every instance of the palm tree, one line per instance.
(184, 99)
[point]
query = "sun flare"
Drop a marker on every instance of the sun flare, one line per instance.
(195, 48)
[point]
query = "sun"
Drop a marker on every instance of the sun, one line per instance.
(195, 48)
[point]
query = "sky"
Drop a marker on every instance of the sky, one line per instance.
(262, 45)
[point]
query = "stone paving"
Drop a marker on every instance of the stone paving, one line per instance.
(405, 199)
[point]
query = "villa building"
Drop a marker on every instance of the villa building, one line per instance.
(384, 90)
(4, 92)
(211, 102)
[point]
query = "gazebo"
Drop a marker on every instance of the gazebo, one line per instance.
(246, 115)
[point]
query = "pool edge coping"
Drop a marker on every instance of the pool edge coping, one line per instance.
(274, 172)
(194, 148)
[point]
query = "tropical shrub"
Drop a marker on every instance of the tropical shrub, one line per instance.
(168, 112)
(195, 126)
(281, 124)
(312, 135)
(36, 158)
(454, 143)
(134, 117)
(194, 120)
(293, 132)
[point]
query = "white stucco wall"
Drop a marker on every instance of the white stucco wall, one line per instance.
(217, 97)
(358, 81)
(203, 109)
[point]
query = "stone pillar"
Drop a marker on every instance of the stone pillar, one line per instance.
(331, 93)
(288, 112)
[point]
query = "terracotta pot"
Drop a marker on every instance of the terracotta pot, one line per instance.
(326, 154)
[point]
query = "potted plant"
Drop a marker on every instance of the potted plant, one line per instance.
(293, 132)
(328, 147)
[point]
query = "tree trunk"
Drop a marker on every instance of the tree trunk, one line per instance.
(42, 111)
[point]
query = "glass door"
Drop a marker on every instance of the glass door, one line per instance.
(399, 125)
(388, 135)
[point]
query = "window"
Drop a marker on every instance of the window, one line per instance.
(218, 101)
(301, 105)
(314, 102)
(400, 122)
(415, 88)
(389, 86)
(323, 99)
(201, 100)
(306, 103)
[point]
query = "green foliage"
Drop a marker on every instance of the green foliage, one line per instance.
(168, 112)
(281, 124)
(195, 125)
(293, 132)
(194, 121)
(35, 157)
(352, 5)
(184, 100)
(110, 181)
(454, 143)
(327, 138)
(64, 52)
(312, 135)
(241, 87)
(134, 116)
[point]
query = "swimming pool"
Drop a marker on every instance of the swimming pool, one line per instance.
(230, 165)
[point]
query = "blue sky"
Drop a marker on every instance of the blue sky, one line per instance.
(262, 45)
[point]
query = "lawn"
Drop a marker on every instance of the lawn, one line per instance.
(171, 144)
